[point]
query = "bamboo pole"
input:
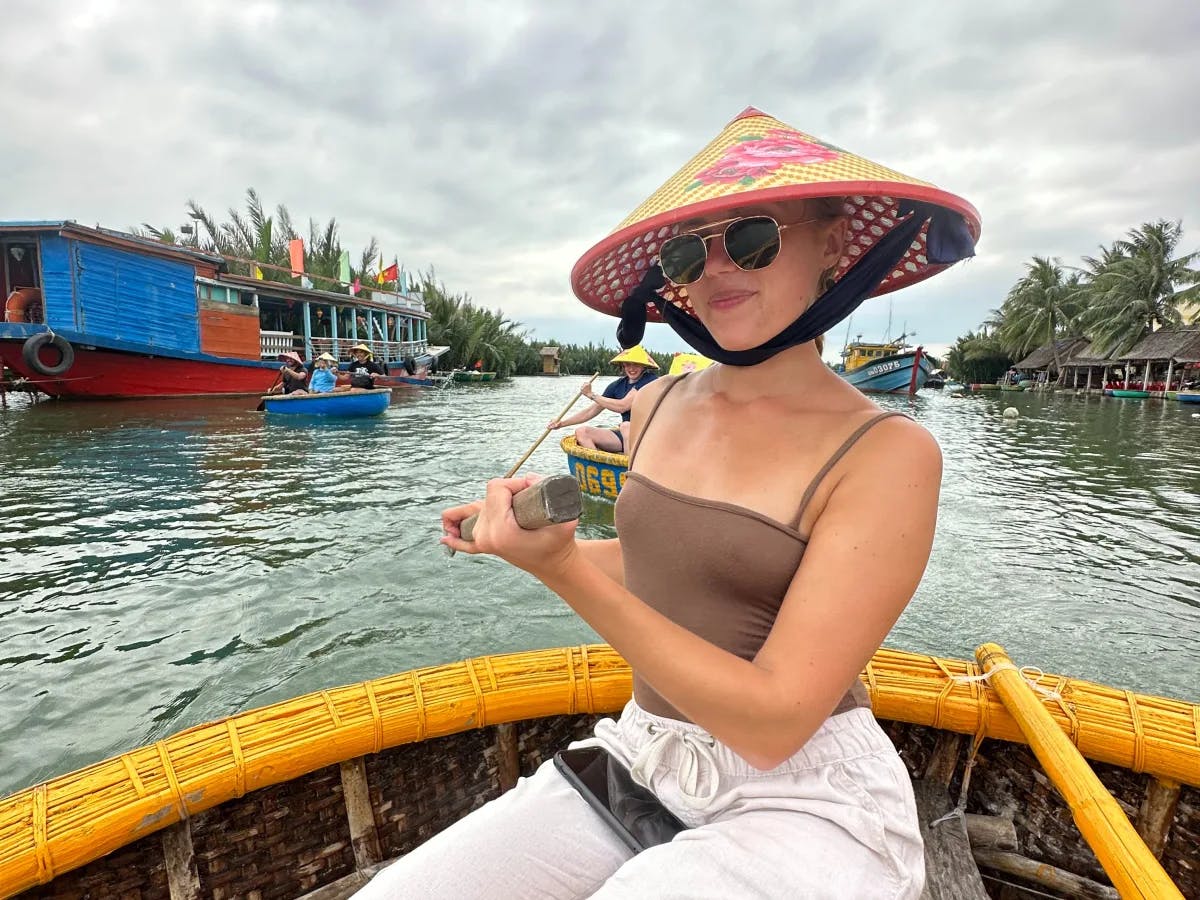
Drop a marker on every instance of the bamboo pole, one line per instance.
(566, 409)
(1124, 855)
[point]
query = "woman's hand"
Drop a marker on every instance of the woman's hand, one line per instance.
(554, 424)
(542, 552)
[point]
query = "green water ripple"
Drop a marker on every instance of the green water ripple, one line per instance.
(164, 564)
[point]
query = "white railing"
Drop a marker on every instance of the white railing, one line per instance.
(275, 342)
(391, 351)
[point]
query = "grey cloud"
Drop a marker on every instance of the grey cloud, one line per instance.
(498, 141)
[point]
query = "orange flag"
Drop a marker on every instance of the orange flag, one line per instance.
(296, 251)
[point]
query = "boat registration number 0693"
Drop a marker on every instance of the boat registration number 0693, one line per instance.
(598, 482)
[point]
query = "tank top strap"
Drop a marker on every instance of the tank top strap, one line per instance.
(833, 461)
(657, 403)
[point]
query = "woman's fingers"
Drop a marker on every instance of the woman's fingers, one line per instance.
(494, 515)
(452, 518)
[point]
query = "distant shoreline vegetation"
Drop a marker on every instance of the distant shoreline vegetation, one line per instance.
(1132, 287)
(471, 332)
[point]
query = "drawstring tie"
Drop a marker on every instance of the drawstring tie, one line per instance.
(697, 759)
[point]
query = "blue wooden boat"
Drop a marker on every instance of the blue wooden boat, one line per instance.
(1188, 396)
(884, 368)
(92, 313)
(599, 473)
(344, 404)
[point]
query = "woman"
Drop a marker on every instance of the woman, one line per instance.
(774, 525)
(618, 397)
(293, 377)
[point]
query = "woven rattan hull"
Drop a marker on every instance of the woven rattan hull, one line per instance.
(284, 800)
(600, 474)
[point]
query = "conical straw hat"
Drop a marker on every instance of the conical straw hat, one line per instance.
(636, 355)
(757, 159)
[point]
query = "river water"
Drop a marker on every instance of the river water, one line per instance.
(163, 564)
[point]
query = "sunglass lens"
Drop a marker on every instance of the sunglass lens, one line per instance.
(753, 242)
(682, 258)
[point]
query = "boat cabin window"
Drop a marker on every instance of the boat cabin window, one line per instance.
(222, 294)
(20, 281)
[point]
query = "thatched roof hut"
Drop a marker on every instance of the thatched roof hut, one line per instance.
(1181, 345)
(1087, 355)
(1043, 357)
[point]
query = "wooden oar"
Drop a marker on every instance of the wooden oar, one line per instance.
(1123, 854)
(550, 501)
(262, 404)
(566, 409)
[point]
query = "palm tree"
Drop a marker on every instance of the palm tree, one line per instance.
(1139, 286)
(978, 358)
(1042, 307)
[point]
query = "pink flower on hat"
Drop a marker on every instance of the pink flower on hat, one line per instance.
(754, 157)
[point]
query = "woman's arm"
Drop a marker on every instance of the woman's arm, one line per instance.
(605, 556)
(618, 406)
(579, 418)
(859, 571)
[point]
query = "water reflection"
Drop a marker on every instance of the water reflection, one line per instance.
(166, 563)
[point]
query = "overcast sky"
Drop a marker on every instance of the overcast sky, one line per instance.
(497, 142)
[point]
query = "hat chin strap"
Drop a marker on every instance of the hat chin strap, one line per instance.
(948, 241)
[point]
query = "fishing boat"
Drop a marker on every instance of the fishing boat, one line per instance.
(1188, 396)
(884, 368)
(92, 313)
(1130, 395)
(342, 404)
(600, 474)
(311, 796)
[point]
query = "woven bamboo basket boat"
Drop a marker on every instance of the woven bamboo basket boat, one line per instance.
(312, 795)
(600, 474)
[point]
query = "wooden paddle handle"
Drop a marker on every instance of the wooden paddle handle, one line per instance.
(550, 501)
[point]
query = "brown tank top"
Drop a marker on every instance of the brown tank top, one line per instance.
(730, 584)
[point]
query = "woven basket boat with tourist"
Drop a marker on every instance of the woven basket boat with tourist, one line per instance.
(600, 474)
(343, 404)
(312, 795)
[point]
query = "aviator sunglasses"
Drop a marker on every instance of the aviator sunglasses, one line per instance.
(752, 242)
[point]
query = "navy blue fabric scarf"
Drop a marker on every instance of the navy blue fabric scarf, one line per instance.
(948, 241)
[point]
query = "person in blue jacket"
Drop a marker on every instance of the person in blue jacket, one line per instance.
(636, 365)
(324, 374)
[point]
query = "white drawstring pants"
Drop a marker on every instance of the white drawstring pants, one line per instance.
(837, 820)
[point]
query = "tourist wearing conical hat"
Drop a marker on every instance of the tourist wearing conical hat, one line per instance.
(293, 377)
(324, 374)
(363, 368)
(774, 525)
(636, 365)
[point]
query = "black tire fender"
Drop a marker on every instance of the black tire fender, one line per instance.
(31, 351)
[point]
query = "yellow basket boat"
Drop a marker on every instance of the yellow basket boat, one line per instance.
(600, 474)
(317, 792)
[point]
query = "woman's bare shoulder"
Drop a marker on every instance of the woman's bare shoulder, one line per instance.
(647, 396)
(897, 445)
